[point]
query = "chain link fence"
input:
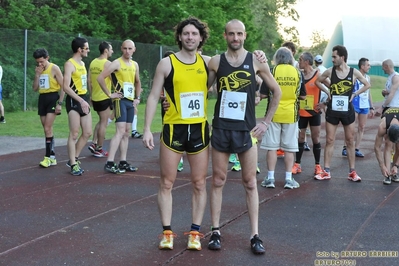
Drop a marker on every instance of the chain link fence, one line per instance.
(19, 65)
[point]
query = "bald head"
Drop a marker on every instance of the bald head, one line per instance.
(128, 48)
(388, 63)
(234, 23)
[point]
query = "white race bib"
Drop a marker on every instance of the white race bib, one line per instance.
(84, 82)
(44, 82)
(128, 90)
(364, 100)
(340, 103)
(192, 104)
(233, 105)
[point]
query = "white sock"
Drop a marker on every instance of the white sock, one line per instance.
(134, 124)
(270, 175)
(288, 175)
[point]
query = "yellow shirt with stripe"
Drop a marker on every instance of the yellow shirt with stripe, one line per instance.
(187, 92)
(123, 79)
(96, 67)
(79, 78)
(289, 80)
(47, 82)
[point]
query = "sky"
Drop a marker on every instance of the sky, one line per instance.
(323, 15)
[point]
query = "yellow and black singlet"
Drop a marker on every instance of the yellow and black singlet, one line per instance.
(47, 82)
(124, 78)
(79, 78)
(96, 67)
(187, 92)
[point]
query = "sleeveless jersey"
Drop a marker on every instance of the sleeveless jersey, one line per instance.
(362, 100)
(395, 100)
(96, 67)
(341, 91)
(289, 79)
(187, 92)
(47, 82)
(123, 79)
(236, 86)
(307, 106)
(79, 78)
(390, 114)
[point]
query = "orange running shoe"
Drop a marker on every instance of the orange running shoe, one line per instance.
(296, 169)
(280, 153)
(354, 177)
(317, 169)
(323, 176)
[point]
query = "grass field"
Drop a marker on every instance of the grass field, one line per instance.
(27, 124)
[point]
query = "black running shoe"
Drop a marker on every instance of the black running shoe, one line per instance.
(113, 169)
(214, 242)
(127, 167)
(257, 245)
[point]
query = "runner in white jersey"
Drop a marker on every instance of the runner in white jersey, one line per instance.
(390, 92)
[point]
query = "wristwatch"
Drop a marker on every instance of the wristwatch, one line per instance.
(60, 102)
(138, 98)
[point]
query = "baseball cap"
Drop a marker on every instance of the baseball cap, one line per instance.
(318, 59)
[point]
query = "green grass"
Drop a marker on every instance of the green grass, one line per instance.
(27, 124)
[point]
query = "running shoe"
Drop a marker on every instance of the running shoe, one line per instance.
(296, 169)
(306, 147)
(354, 177)
(257, 169)
(236, 167)
(99, 153)
(344, 152)
(76, 170)
(291, 184)
(180, 167)
(394, 178)
(92, 148)
(280, 153)
(268, 183)
(214, 242)
(127, 167)
(113, 169)
(136, 134)
(387, 180)
(194, 240)
(3, 121)
(46, 162)
(323, 175)
(317, 169)
(69, 163)
(358, 153)
(232, 158)
(257, 245)
(307, 131)
(167, 240)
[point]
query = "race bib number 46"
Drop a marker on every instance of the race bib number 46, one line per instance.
(192, 104)
(233, 105)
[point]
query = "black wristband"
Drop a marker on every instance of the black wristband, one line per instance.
(60, 102)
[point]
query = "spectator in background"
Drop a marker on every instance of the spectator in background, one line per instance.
(283, 130)
(48, 81)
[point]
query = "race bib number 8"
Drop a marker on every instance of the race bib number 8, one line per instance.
(233, 105)
(44, 82)
(340, 103)
(192, 104)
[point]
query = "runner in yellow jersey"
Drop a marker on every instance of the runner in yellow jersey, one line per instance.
(48, 81)
(102, 104)
(126, 82)
(77, 106)
(184, 76)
